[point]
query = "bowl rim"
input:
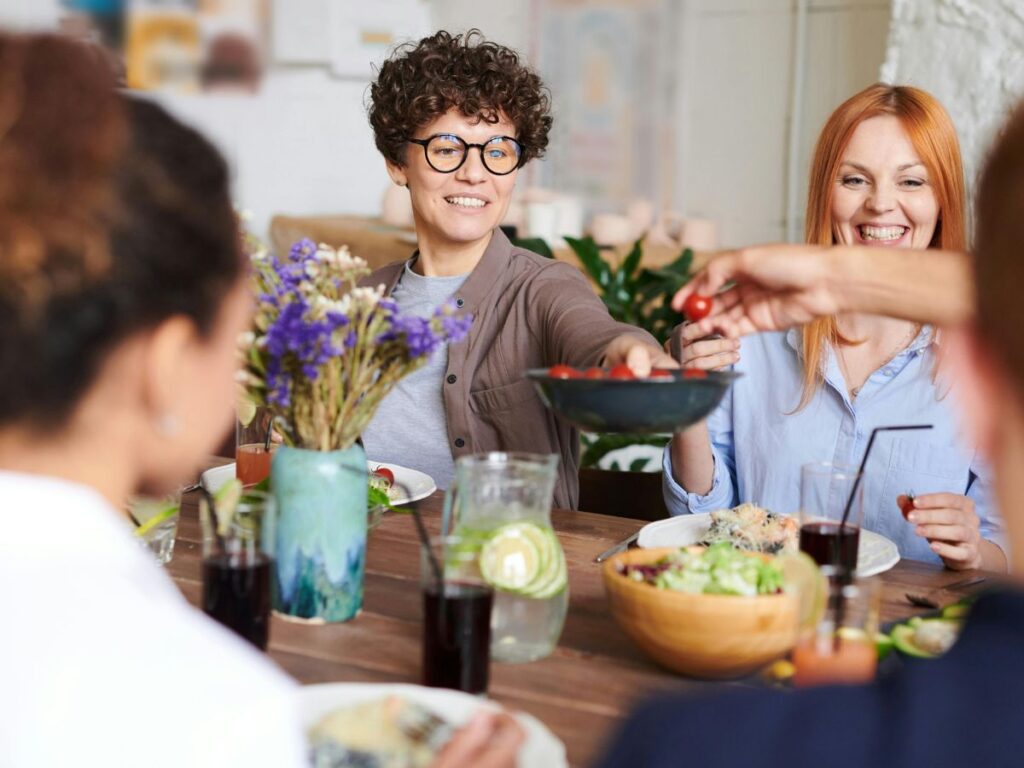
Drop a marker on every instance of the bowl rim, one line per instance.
(611, 574)
(712, 377)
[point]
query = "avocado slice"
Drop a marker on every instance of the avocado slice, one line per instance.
(903, 636)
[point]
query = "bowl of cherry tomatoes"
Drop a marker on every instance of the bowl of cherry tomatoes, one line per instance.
(615, 400)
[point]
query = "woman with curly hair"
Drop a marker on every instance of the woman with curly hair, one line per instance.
(456, 117)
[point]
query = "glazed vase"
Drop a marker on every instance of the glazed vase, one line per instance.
(321, 532)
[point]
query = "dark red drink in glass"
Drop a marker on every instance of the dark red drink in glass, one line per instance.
(457, 636)
(236, 592)
(821, 540)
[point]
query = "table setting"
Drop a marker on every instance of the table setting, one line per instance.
(391, 600)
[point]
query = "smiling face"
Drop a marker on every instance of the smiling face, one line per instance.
(882, 194)
(462, 207)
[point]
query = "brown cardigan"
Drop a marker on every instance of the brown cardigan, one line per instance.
(528, 312)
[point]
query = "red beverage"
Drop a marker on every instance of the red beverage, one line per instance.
(822, 661)
(822, 542)
(236, 592)
(457, 637)
(252, 463)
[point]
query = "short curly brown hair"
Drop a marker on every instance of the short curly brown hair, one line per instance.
(422, 81)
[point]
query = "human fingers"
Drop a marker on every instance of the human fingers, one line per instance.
(639, 359)
(952, 534)
(956, 556)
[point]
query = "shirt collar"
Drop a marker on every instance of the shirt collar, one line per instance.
(927, 336)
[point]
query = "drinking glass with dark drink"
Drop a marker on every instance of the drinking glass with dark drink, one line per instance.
(456, 617)
(839, 647)
(238, 565)
(254, 444)
(825, 499)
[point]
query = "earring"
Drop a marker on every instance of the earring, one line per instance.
(168, 425)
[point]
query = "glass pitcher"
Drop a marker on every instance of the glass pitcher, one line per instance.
(500, 505)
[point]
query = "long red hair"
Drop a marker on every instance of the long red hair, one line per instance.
(931, 131)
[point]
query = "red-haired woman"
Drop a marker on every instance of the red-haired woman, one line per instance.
(886, 173)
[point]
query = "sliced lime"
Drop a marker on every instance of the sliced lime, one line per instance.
(801, 575)
(165, 510)
(553, 580)
(225, 499)
(511, 559)
(245, 409)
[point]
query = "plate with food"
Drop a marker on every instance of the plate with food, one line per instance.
(403, 485)
(361, 724)
(755, 529)
(614, 400)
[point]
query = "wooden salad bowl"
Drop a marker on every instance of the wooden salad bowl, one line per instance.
(709, 636)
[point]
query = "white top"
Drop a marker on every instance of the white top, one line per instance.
(102, 660)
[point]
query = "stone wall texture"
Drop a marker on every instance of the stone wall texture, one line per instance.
(969, 54)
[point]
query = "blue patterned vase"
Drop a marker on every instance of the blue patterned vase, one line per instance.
(321, 532)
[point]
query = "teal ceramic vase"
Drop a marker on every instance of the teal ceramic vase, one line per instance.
(321, 532)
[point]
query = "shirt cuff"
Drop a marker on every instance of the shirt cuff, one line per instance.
(679, 501)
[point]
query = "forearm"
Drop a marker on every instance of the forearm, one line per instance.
(924, 285)
(693, 464)
(992, 557)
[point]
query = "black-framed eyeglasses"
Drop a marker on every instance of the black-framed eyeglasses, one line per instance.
(446, 152)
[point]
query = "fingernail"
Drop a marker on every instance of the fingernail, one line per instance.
(912, 517)
(935, 547)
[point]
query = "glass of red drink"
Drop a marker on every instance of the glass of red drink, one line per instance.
(840, 646)
(253, 449)
(456, 617)
(238, 566)
(825, 491)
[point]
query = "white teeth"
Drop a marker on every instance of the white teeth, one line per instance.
(466, 202)
(881, 233)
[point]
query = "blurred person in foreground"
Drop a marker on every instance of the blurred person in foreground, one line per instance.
(964, 708)
(887, 175)
(122, 294)
(456, 118)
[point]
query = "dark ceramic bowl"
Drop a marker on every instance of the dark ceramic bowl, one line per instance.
(660, 404)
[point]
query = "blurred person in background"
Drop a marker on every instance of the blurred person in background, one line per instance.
(122, 294)
(886, 174)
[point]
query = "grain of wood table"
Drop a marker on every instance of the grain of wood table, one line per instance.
(581, 692)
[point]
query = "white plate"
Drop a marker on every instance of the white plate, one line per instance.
(876, 553)
(542, 749)
(418, 484)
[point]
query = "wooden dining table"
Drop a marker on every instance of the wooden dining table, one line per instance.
(581, 692)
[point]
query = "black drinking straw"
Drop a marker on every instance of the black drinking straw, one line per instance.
(425, 541)
(845, 575)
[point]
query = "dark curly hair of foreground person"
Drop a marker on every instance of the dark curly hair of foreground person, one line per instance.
(422, 81)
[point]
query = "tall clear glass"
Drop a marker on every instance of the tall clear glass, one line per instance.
(825, 494)
(500, 504)
(238, 566)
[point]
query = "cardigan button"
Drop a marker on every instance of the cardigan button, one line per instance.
(452, 378)
(459, 302)
(459, 442)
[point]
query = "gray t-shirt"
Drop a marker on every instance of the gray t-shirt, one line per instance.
(410, 427)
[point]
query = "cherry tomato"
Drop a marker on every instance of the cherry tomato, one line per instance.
(385, 473)
(661, 373)
(593, 373)
(695, 373)
(563, 372)
(907, 505)
(697, 307)
(621, 371)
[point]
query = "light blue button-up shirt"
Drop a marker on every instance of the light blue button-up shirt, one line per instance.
(760, 441)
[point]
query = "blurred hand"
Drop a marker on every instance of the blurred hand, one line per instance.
(488, 740)
(640, 357)
(776, 287)
(950, 524)
(696, 350)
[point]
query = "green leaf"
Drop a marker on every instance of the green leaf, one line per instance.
(536, 244)
(589, 254)
(377, 497)
(638, 465)
(632, 261)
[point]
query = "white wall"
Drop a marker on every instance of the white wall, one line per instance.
(735, 97)
(969, 54)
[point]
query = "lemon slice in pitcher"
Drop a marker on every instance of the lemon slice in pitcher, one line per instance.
(511, 559)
